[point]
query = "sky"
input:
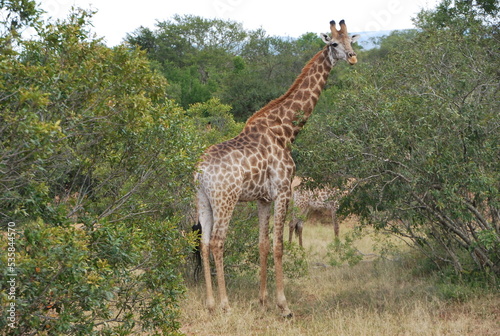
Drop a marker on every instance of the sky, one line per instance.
(116, 18)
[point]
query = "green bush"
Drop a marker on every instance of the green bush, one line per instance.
(418, 130)
(97, 169)
(80, 281)
(342, 251)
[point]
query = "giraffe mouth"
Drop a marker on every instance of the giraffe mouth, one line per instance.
(352, 60)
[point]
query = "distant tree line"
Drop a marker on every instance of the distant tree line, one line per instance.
(204, 58)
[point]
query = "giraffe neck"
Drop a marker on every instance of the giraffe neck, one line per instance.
(286, 115)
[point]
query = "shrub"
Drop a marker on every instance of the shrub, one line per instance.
(81, 281)
(96, 168)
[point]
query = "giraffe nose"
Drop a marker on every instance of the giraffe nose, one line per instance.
(351, 58)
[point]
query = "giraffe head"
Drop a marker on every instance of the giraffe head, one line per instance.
(339, 43)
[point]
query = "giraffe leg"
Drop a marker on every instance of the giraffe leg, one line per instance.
(264, 246)
(299, 227)
(205, 255)
(222, 216)
(279, 218)
(217, 247)
(335, 223)
(205, 217)
(293, 222)
(291, 228)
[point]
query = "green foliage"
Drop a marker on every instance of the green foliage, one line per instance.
(214, 121)
(16, 16)
(204, 58)
(192, 53)
(96, 170)
(418, 129)
(241, 248)
(461, 14)
(94, 123)
(449, 285)
(76, 281)
(294, 261)
(342, 251)
(270, 67)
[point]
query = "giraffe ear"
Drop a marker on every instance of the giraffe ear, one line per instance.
(325, 38)
(354, 38)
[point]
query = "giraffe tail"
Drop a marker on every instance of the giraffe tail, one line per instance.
(197, 251)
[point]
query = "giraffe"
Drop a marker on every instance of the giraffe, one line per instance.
(257, 165)
(304, 200)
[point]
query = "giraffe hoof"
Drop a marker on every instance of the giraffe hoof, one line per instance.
(286, 313)
(211, 306)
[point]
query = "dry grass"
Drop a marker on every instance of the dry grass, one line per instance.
(375, 297)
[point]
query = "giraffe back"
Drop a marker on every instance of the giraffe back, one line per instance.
(316, 199)
(326, 198)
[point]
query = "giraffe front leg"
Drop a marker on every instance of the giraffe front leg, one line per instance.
(279, 218)
(264, 247)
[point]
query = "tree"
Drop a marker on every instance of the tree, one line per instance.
(16, 15)
(192, 53)
(267, 67)
(96, 168)
(418, 129)
(204, 59)
(460, 14)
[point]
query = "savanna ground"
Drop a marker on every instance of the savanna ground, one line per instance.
(377, 296)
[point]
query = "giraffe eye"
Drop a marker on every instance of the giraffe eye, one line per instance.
(335, 45)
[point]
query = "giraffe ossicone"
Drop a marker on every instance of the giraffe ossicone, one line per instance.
(257, 165)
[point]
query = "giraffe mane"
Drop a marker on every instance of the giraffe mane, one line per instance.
(273, 103)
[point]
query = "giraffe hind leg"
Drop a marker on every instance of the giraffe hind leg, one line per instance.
(205, 216)
(291, 229)
(221, 217)
(298, 228)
